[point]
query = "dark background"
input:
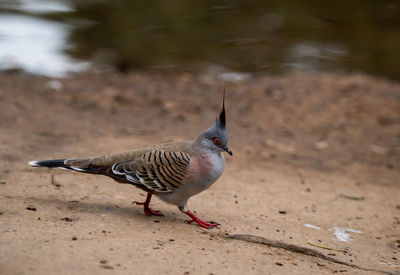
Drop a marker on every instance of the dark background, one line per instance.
(268, 36)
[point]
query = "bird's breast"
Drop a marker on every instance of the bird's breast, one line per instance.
(206, 168)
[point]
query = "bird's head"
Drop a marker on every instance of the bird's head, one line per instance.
(216, 138)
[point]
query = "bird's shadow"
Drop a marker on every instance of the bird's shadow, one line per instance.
(73, 206)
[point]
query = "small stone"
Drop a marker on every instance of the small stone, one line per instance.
(321, 145)
(283, 212)
(171, 240)
(389, 166)
(107, 266)
(3, 182)
(31, 208)
(280, 264)
(103, 261)
(66, 219)
(74, 238)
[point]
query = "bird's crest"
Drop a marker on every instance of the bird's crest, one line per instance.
(221, 121)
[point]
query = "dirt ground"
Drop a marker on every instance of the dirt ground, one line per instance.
(313, 155)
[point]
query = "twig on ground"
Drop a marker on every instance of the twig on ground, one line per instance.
(325, 247)
(299, 249)
(354, 198)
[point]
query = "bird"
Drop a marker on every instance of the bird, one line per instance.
(174, 172)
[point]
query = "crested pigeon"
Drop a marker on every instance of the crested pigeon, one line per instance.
(173, 171)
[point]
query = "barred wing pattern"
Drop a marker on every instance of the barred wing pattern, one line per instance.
(157, 170)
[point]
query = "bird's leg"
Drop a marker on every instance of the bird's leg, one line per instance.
(147, 210)
(198, 221)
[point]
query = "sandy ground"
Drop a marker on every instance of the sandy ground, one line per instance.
(309, 149)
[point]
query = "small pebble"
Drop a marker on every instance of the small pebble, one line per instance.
(3, 182)
(31, 208)
(66, 219)
(107, 266)
(280, 264)
(283, 212)
(103, 261)
(74, 238)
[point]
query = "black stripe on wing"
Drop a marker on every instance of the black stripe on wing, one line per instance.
(156, 170)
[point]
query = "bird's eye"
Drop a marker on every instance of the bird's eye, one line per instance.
(216, 140)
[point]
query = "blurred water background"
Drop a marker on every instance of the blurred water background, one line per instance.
(52, 37)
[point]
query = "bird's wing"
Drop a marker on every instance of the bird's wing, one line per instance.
(111, 159)
(157, 170)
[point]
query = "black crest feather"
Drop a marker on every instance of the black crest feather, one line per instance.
(222, 119)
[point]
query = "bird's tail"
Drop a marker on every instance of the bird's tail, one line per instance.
(60, 163)
(80, 165)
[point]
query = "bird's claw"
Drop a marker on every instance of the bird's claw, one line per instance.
(147, 210)
(201, 223)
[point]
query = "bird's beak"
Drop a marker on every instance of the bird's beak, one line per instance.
(226, 149)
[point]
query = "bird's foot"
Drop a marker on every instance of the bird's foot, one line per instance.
(148, 211)
(201, 223)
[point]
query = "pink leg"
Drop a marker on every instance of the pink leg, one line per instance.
(197, 220)
(146, 207)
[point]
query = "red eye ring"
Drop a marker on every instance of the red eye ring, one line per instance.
(216, 140)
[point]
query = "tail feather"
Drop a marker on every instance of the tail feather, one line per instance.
(49, 163)
(80, 165)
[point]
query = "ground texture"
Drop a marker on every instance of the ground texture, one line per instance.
(313, 154)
